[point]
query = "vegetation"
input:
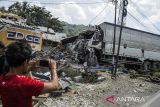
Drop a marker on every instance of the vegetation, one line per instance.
(35, 15)
(2, 9)
(72, 29)
(39, 16)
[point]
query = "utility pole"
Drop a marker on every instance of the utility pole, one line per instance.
(114, 37)
(120, 14)
(124, 14)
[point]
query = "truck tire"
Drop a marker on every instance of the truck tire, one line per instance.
(147, 65)
(156, 65)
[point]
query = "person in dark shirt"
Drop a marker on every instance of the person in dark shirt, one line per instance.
(2, 58)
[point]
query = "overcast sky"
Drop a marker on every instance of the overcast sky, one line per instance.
(145, 12)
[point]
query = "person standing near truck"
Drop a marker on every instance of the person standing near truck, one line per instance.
(16, 90)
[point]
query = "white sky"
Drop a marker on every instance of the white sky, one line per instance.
(75, 13)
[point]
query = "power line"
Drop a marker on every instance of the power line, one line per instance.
(56, 3)
(87, 3)
(102, 11)
(98, 14)
(135, 18)
(118, 5)
(138, 19)
(144, 16)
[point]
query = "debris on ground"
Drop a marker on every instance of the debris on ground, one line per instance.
(87, 85)
(94, 94)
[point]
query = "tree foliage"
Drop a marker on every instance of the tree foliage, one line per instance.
(2, 9)
(36, 16)
(72, 29)
(39, 16)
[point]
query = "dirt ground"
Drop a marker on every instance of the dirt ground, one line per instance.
(95, 94)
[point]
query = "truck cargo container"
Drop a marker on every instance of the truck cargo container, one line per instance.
(137, 47)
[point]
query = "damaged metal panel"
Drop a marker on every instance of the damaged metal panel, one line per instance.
(133, 42)
(69, 40)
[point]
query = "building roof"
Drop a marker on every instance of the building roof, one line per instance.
(45, 29)
(54, 37)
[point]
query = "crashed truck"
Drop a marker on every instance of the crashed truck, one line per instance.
(138, 49)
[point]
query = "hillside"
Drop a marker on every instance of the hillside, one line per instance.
(73, 29)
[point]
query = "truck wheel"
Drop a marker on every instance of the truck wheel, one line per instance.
(147, 65)
(156, 65)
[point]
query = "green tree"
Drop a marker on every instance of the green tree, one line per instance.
(2, 9)
(55, 24)
(15, 8)
(36, 16)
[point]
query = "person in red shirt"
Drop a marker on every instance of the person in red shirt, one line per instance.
(16, 90)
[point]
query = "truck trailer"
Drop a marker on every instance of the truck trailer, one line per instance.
(137, 47)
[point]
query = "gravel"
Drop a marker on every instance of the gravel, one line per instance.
(94, 95)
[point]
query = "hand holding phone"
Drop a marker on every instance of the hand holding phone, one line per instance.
(52, 64)
(48, 63)
(44, 63)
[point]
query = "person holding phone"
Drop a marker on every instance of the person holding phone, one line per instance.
(16, 90)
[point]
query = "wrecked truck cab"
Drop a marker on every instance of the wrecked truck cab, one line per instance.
(10, 34)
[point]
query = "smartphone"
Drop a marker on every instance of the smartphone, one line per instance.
(44, 63)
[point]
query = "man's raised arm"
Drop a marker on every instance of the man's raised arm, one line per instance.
(53, 84)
